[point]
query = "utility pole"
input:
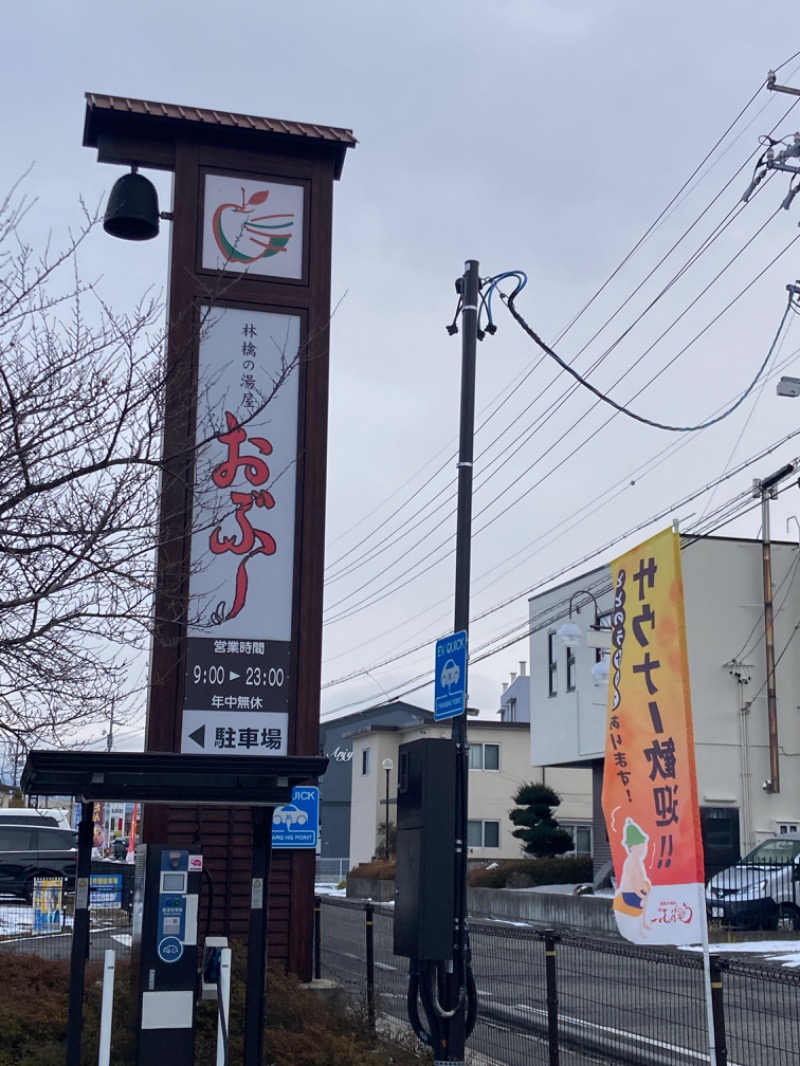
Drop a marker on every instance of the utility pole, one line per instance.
(766, 490)
(454, 976)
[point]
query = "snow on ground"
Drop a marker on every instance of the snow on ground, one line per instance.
(325, 888)
(786, 952)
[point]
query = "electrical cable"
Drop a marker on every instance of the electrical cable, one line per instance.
(621, 408)
(388, 589)
(639, 243)
(555, 576)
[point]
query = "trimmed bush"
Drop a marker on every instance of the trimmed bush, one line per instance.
(377, 870)
(529, 873)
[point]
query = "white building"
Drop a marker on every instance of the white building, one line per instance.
(499, 757)
(573, 786)
(724, 601)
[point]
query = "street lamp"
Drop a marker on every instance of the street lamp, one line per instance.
(569, 634)
(388, 766)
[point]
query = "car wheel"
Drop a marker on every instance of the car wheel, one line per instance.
(788, 917)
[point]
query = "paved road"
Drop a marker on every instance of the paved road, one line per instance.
(616, 1004)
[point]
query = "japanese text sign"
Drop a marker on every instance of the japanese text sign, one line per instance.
(241, 581)
(649, 780)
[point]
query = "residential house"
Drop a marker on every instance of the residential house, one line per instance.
(335, 785)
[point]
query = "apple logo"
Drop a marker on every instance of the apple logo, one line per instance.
(243, 237)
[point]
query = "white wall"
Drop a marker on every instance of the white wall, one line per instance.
(490, 791)
(723, 591)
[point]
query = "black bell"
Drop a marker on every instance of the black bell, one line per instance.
(132, 212)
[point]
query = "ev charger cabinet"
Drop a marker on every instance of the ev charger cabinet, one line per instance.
(164, 953)
(424, 909)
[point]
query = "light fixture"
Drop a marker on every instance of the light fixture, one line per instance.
(569, 634)
(600, 672)
(132, 211)
(388, 765)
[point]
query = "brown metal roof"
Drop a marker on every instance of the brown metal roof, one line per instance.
(100, 109)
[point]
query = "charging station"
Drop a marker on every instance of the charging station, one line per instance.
(425, 886)
(164, 908)
(164, 952)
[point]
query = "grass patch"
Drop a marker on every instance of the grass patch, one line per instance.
(303, 1029)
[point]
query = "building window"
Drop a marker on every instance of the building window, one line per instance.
(570, 669)
(552, 665)
(365, 762)
(581, 838)
(483, 834)
(484, 757)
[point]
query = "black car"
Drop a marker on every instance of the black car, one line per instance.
(28, 852)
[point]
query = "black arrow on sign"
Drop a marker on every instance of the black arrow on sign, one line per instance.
(199, 736)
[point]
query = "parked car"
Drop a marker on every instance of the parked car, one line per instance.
(35, 816)
(762, 890)
(29, 851)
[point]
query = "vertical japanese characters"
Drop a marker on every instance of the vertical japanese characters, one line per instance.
(649, 786)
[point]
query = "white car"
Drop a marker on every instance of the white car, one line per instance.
(762, 891)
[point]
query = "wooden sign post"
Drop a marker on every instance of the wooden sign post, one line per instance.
(235, 667)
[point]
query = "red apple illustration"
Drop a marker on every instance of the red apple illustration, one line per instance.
(244, 236)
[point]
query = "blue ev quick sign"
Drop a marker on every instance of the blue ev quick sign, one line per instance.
(450, 693)
(296, 824)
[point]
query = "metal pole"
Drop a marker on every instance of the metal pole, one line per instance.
(454, 976)
(769, 646)
(80, 937)
(369, 931)
(551, 981)
(386, 827)
(718, 1011)
(107, 1009)
(223, 1006)
(254, 1014)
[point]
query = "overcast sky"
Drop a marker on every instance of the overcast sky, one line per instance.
(527, 134)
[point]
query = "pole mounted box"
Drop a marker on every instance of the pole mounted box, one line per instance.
(425, 880)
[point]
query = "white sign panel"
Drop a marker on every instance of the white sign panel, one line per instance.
(243, 522)
(232, 732)
(242, 564)
(253, 227)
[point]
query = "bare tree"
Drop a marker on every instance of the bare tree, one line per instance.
(81, 428)
(80, 417)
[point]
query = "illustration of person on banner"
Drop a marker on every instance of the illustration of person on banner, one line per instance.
(649, 778)
(630, 900)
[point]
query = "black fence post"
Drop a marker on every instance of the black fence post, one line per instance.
(550, 941)
(369, 913)
(317, 938)
(718, 1009)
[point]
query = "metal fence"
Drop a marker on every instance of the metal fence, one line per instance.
(758, 894)
(574, 1000)
(332, 870)
(43, 924)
